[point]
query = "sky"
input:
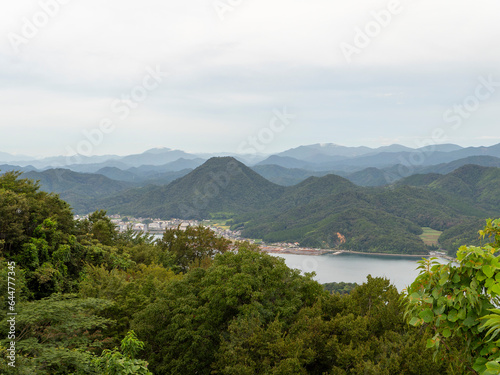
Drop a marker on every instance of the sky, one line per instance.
(239, 76)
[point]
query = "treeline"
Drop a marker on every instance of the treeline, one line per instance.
(90, 300)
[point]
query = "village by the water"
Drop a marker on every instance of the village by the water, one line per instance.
(157, 227)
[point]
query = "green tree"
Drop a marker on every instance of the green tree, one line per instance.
(192, 246)
(23, 208)
(454, 301)
(99, 226)
(55, 335)
(184, 327)
(131, 290)
(116, 362)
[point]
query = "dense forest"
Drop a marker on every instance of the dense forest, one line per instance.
(91, 300)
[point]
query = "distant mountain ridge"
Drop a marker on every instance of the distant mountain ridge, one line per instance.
(322, 210)
(78, 189)
(322, 157)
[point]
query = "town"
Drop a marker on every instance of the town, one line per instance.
(157, 227)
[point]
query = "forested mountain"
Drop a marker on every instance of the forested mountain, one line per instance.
(329, 210)
(290, 204)
(471, 184)
(78, 188)
(371, 176)
(219, 186)
(284, 176)
(320, 211)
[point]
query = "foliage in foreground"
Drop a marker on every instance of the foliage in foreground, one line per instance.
(456, 302)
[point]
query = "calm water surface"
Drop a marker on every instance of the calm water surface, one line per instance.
(354, 268)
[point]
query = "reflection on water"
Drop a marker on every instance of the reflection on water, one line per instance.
(354, 268)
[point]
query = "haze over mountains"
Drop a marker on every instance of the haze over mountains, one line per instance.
(362, 165)
(378, 200)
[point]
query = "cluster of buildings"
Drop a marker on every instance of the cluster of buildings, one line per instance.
(150, 225)
(157, 227)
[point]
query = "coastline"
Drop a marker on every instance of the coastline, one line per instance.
(319, 252)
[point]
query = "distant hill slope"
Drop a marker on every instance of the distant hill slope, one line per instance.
(219, 186)
(347, 159)
(156, 156)
(445, 168)
(366, 177)
(79, 189)
(471, 183)
(118, 174)
(287, 162)
(9, 168)
(143, 177)
(285, 176)
(370, 219)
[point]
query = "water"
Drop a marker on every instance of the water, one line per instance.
(353, 268)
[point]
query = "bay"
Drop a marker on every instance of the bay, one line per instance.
(354, 268)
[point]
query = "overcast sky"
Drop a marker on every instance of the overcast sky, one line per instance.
(204, 75)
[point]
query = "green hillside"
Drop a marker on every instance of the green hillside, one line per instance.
(81, 189)
(327, 212)
(370, 219)
(221, 185)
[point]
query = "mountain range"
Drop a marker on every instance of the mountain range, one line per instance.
(321, 195)
(328, 211)
(362, 165)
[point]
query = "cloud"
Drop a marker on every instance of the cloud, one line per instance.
(226, 76)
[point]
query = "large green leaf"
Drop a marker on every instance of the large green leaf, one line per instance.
(427, 315)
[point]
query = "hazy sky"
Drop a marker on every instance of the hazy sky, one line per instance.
(122, 76)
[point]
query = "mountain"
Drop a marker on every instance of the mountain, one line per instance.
(65, 161)
(320, 211)
(447, 147)
(180, 164)
(314, 152)
(285, 176)
(118, 174)
(370, 177)
(471, 184)
(331, 211)
(386, 176)
(330, 157)
(326, 211)
(165, 178)
(95, 167)
(445, 168)
(287, 162)
(366, 177)
(78, 189)
(156, 156)
(418, 158)
(8, 168)
(221, 186)
(90, 164)
(7, 158)
(324, 157)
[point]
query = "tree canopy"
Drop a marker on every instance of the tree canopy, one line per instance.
(92, 300)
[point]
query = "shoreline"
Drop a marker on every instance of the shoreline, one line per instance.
(320, 252)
